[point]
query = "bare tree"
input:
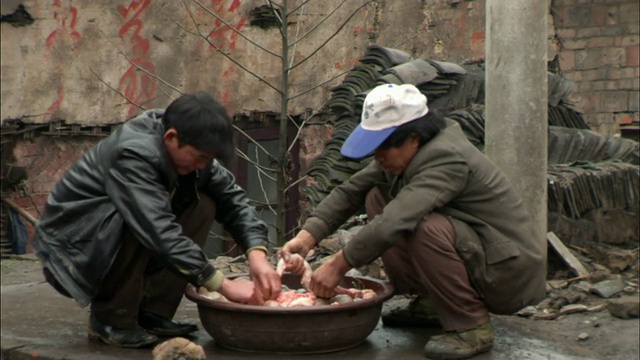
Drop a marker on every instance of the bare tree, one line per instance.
(282, 12)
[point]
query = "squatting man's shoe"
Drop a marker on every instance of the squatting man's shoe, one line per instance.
(161, 326)
(419, 312)
(460, 345)
(129, 338)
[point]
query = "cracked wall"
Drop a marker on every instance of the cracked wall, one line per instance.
(79, 61)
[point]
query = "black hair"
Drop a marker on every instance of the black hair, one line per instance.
(425, 127)
(202, 122)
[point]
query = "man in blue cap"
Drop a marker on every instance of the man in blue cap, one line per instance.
(448, 225)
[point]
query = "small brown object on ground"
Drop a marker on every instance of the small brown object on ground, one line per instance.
(626, 307)
(178, 349)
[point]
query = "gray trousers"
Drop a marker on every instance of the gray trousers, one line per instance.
(427, 264)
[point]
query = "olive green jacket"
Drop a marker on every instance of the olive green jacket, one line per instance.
(449, 176)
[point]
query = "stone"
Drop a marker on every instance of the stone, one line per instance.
(596, 308)
(558, 284)
(626, 307)
(608, 288)
(613, 258)
(573, 308)
(527, 311)
(583, 336)
(546, 314)
(582, 286)
(330, 245)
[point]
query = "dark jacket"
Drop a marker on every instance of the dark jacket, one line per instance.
(127, 180)
(449, 176)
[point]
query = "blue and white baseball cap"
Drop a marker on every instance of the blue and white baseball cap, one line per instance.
(385, 108)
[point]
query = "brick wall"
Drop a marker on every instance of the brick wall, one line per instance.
(47, 159)
(598, 50)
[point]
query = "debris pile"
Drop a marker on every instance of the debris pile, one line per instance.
(594, 279)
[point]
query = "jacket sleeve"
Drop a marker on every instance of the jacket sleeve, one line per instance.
(435, 184)
(135, 187)
(343, 201)
(233, 210)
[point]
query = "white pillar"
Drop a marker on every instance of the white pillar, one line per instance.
(516, 103)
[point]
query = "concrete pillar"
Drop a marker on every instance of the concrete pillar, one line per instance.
(516, 101)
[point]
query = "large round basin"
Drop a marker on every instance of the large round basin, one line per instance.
(297, 330)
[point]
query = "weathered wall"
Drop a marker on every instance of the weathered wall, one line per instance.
(74, 62)
(77, 60)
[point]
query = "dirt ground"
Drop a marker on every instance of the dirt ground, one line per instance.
(590, 332)
(608, 337)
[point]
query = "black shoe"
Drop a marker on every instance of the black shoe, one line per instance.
(158, 325)
(129, 338)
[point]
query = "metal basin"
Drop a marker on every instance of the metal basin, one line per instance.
(298, 330)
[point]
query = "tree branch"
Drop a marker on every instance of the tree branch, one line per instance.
(274, 3)
(116, 90)
(295, 183)
(206, 38)
(140, 67)
(236, 30)
(260, 168)
(295, 138)
(293, 51)
(298, 7)
(318, 85)
(318, 24)
(331, 37)
(264, 192)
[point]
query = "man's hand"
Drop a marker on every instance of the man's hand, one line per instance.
(267, 282)
(301, 244)
(239, 291)
(325, 279)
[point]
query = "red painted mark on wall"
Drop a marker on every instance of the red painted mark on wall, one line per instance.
(477, 36)
(67, 18)
(66, 37)
(225, 99)
(222, 36)
(350, 61)
(137, 85)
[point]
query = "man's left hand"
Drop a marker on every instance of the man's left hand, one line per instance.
(328, 276)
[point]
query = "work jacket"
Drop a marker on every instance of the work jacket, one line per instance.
(127, 181)
(449, 176)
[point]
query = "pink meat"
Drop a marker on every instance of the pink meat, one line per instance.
(292, 298)
(306, 276)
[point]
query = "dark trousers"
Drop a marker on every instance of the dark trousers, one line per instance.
(139, 281)
(426, 263)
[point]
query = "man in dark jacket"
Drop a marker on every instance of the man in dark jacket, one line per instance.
(448, 225)
(123, 229)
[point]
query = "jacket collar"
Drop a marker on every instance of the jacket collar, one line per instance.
(423, 154)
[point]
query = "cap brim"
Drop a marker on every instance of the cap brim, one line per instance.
(362, 143)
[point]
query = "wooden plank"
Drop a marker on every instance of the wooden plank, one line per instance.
(574, 264)
(20, 211)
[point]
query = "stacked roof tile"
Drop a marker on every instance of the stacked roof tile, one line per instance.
(457, 92)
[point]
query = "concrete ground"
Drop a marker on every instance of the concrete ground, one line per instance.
(37, 322)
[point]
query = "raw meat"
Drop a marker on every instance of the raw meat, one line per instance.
(301, 297)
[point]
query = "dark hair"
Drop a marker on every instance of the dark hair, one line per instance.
(202, 122)
(426, 128)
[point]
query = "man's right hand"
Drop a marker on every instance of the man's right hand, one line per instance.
(301, 244)
(240, 292)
